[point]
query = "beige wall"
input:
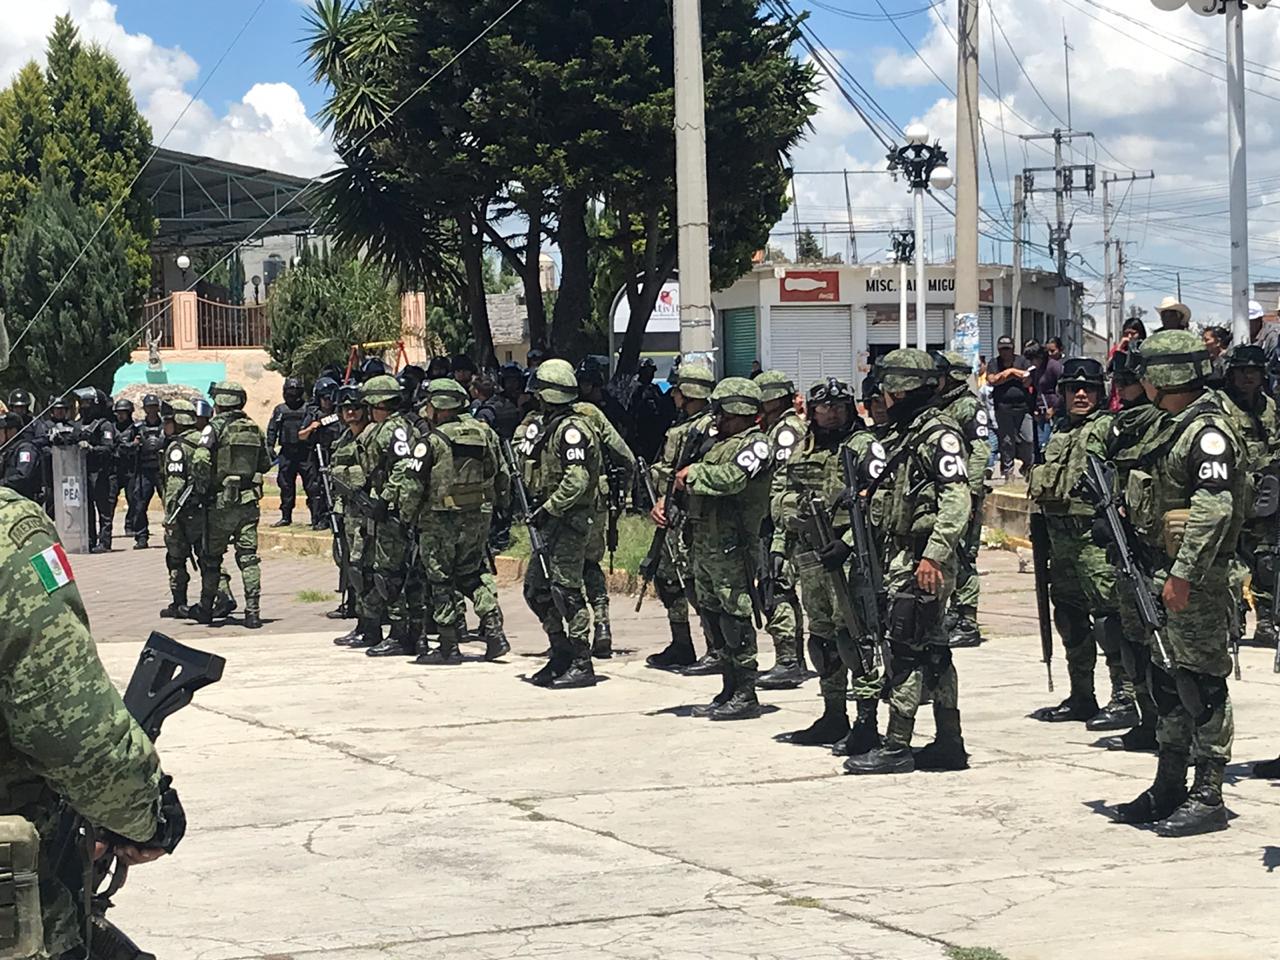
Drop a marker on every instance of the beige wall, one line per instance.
(247, 366)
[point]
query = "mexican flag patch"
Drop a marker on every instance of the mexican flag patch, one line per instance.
(52, 568)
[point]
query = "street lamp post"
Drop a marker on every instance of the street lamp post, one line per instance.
(924, 166)
(904, 245)
(1233, 15)
(184, 264)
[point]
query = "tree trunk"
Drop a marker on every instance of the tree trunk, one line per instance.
(642, 298)
(532, 276)
(573, 302)
(471, 226)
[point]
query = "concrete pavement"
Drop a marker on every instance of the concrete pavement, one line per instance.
(344, 808)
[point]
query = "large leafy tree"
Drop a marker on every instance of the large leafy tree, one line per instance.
(86, 319)
(561, 107)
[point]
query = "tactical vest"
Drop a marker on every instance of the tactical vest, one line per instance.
(912, 501)
(785, 438)
(1052, 484)
(288, 423)
(744, 512)
(237, 455)
(1158, 504)
(473, 465)
(1259, 428)
(177, 465)
(152, 437)
(544, 470)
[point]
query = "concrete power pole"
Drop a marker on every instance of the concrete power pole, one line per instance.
(1115, 308)
(1019, 209)
(966, 168)
(694, 253)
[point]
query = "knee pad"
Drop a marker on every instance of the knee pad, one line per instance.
(824, 656)
(1212, 695)
(913, 615)
(736, 632)
(668, 592)
(246, 560)
(1109, 633)
(906, 660)
(469, 584)
(174, 563)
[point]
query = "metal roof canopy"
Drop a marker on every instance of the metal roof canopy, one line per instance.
(202, 202)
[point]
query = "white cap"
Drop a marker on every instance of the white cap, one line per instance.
(1255, 310)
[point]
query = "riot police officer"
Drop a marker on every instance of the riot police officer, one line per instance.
(147, 436)
(292, 457)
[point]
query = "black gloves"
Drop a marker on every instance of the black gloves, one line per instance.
(173, 819)
(834, 554)
(538, 519)
(380, 509)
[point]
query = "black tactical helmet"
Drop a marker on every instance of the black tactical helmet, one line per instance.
(325, 388)
(292, 387)
(87, 397)
(371, 367)
(60, 403)
(462, 362)
(439, 367)
(1246, 356)
(166, 411)
(1124, 367)
(123, 405)
(648, 364)
(870, 387)
(830, 390)
(1077, 370)
(150, 400)
(535, 355)
(511, 371)
(589, 373)
(19, 398)
(349, 395)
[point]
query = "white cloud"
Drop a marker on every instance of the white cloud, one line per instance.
(268, 127)
(1137, 86)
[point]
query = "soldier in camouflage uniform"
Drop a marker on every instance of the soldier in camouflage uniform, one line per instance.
(65, 735)
(1083, 589)
(1257, 420)
(619, 469)
(929, 507)
(346, 471)
(1136, 416)
(691, 393)
(816, 468)
(1185, 497)
(562, 470)
(961, 404)
(394, 463)
(228, 465)
(455, 525)
(784, 428)
(728, 502)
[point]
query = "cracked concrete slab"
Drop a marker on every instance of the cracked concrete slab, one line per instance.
(343, 808)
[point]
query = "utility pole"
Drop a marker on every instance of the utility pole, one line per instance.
(848, 209)
(1019, 209)
(1115, 310)
(1238, 177)
(966, 171)
(693, 241)
(1119, 285)
(1064, 185)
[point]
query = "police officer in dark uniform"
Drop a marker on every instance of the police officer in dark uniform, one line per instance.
(57, 429)
(591, 388)
(98, 440)
(126, 460)
(20, 465)
(282, 430)
(320, 430)
(149, 440)
(652, 413)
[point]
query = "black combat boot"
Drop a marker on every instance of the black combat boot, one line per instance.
(580, 673)
(557, 663)
(177, 609)
(705, 666)
(1164, 796)
(394, 644)
(252, 617)
(1141, 739)
(349, 639)
(964, 632)
(445, 654)
(345, 609)
(892, 756)
(727, 685)
(223, 606)
(1265, 635)
(602, 641)
(946, 752)
(202, 612)
(678, 653)
(140, 543)
(743, 705)
(495, 638)
(829, 728)
(1120, 714)
(1078, 706)
(369, 632)
(286, 519)
(864, 736)
(785, 675)
(1203, 811)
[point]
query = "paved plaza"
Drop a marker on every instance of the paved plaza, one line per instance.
(343, 808)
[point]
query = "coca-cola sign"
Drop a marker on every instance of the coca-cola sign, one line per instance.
(809, 286)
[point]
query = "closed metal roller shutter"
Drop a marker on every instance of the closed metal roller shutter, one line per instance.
(882, 324)
(740, 347)
(811, 343)
(985, 332)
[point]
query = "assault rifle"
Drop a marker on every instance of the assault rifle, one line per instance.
(816, 530)
(617, 494)
(180, 503)
(356, 500)
(335, 521)
(165, 680)
(1040, 559)
(649, 566)
(867, 585)
(667, 546)
(538, 547)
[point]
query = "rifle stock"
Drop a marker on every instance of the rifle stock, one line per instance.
(538, 547)
(649, 567)
(868, 577)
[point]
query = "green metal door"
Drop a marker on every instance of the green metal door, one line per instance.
(740, 347)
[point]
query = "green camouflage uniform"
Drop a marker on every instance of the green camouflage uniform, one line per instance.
(344, 465)
(728, 502)
(1186, 497)
(665, 582)
(497, 495)
(228, 465)
(64, 732)
(1083, 587)
(562, 470)
(782, 620)
(183, 534)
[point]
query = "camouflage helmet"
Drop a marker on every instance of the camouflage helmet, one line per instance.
(1245, 356)
(1171, 359)
(228, 395)
(182, 412)
(737, 396)
(555, 382)
(382, 390)
(445, 393)
(695, 381)
(775, 385)
(830, 390)
(954, 366)
(1077, 370)
(907, 369)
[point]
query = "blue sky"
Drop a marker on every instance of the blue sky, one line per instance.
(1148, 83)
